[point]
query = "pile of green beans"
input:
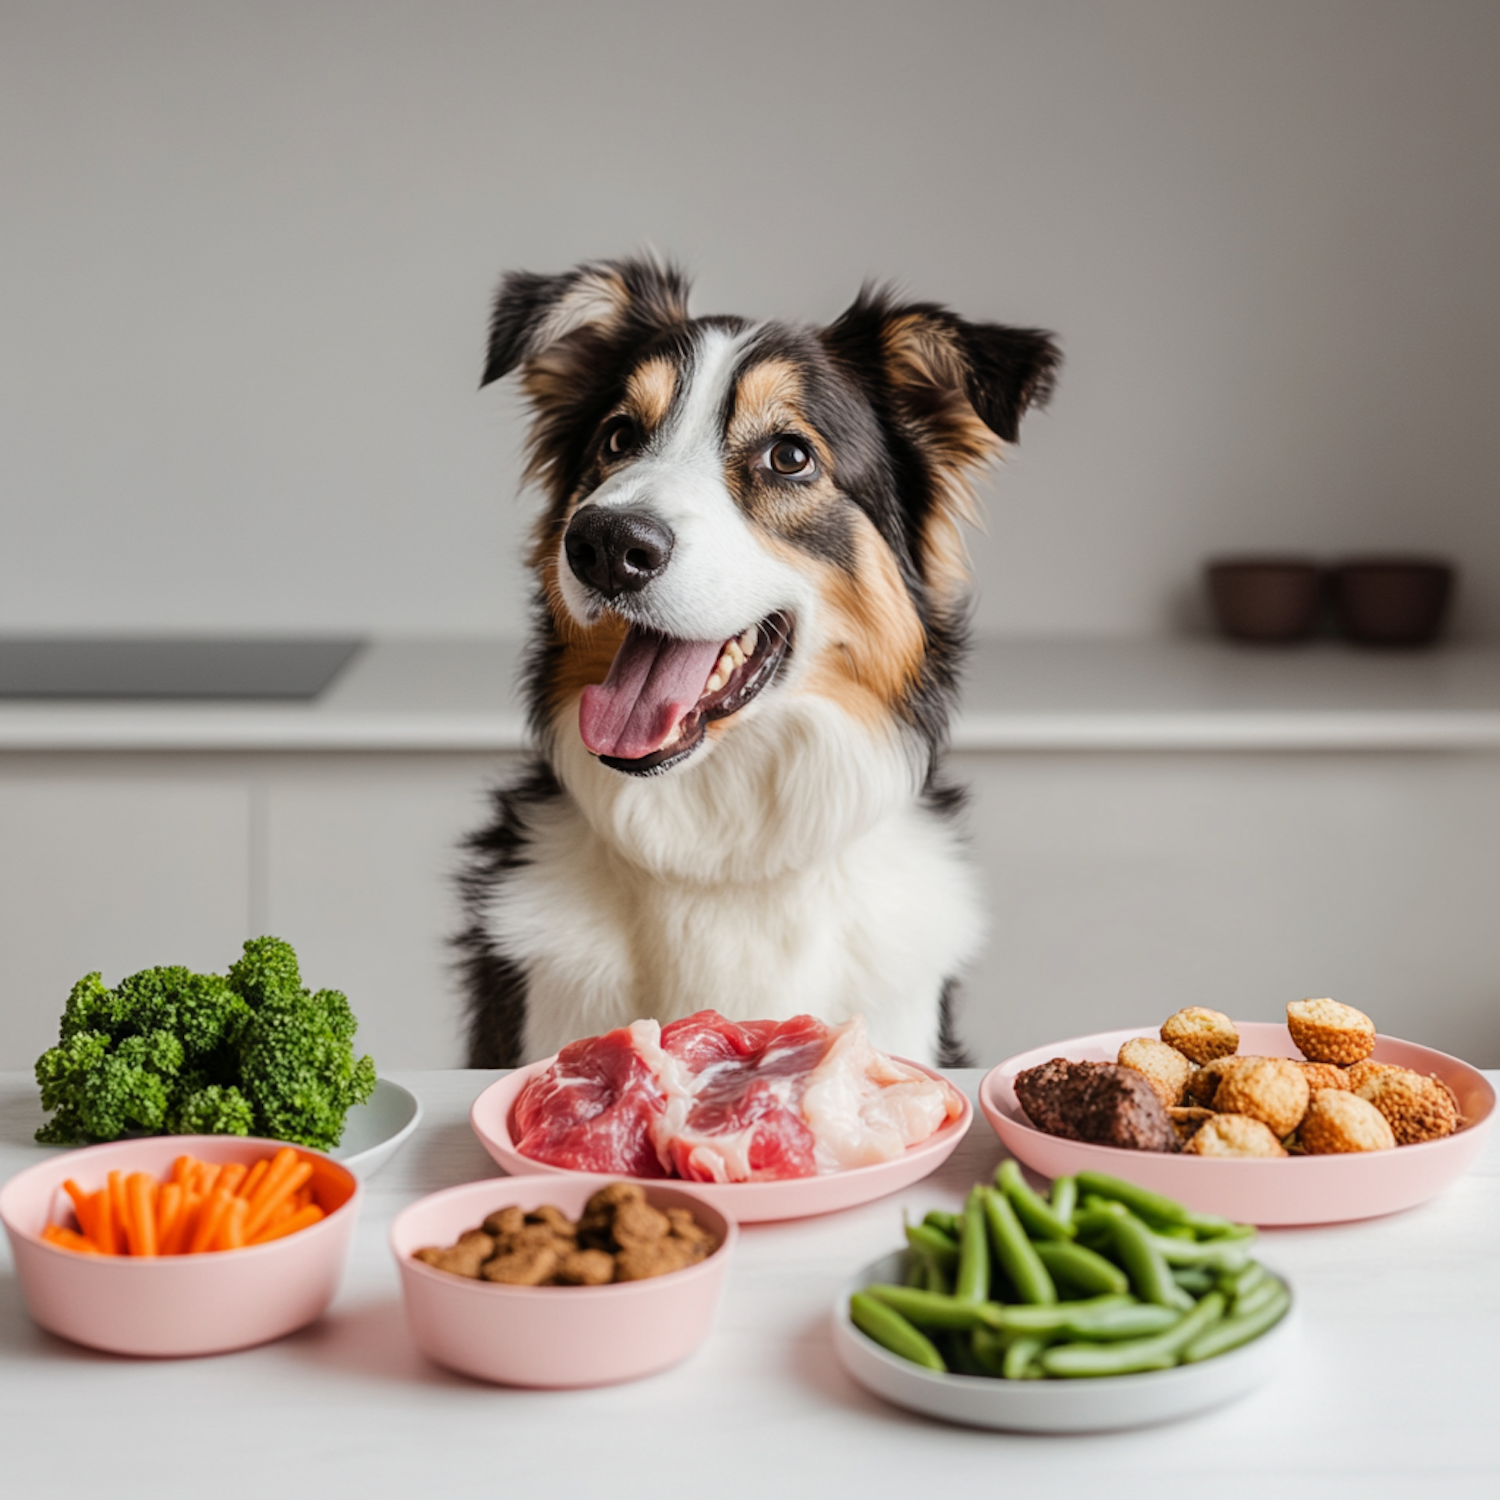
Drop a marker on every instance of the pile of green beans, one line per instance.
(1100, 1278)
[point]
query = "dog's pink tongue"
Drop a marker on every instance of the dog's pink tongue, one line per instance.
(653, 683)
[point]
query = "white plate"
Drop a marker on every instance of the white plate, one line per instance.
(1054, 1405)
(376, 1130)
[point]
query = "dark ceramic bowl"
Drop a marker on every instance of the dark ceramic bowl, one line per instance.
(1265, 600)
(1393, 601)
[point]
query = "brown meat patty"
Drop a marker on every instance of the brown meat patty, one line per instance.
(1095, 1101)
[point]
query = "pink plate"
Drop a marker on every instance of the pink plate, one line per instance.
(1288, 1190)
(747, 1202)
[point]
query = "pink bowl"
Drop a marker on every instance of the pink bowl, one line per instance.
(746, 1202)
(177, 1304)
(1287, 1190)
(553, 1336)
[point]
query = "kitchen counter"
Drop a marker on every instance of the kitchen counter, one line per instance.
(1390, 1394)
(459, 696)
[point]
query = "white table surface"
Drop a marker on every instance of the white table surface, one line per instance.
(1393, 1392)
(459, 696)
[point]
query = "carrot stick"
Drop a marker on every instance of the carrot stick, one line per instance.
(119, 1209)
(231, 1235)
(104, 1222)
(181, 1168)
(283, 1164)
(141, 1228)
(232, 1175)
(279, 1193)
(289, 1225)
(252, 1181)
(83, 1207)
(175, 1240)
(68, 1239)
(168, 1206)
(209, 1219)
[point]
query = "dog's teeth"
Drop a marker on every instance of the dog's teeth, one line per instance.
(733, 652)
(749, 640)
(714, 683)
(725, 667)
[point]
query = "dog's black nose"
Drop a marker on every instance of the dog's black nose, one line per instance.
(616, 551)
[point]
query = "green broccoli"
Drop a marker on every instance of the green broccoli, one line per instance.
(170, 1051)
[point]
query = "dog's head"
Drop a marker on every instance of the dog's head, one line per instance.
(735, 510)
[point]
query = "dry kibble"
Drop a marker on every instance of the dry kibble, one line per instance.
(1163, 1067)
(529, 1265)
(1270, 1089)
(1360, 1073)
(1339, 1121)
(505, 1222)
(1201, 1034)
(650, 1258)
(1326, 1031)
(1415, 1107)
(1324, 1076)
(463, 1258)
(1234, 1135)
(586, 1268)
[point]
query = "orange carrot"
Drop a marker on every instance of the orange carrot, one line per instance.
(119, 1209)
(209, 1219)
(208, 1177)
(231, 1235)
(104, 1222)
(252, 1181)
(232, 1175)
(141, 1229)
(182, 1167)
(83, 1207)
(68, 1239)
(175, 1240)
(168, 1206)
(283, 1193)
(289, 1225)
(283, 1165)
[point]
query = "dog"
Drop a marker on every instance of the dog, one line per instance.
(751, 605)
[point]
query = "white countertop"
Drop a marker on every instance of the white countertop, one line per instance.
(460, 696)
(1391, 1393)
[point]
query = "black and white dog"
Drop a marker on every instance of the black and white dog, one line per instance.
(750, 610)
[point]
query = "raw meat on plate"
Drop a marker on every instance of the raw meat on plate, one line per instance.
(713, 1100)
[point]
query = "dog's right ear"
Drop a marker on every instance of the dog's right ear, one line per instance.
(598, 303)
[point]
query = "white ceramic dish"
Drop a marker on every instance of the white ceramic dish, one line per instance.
(1054, 1405)
(1286, 1190)
(745, 1202)
(377, 1129)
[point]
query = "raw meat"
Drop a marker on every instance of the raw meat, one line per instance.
(712, 1100)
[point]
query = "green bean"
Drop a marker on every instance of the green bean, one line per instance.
(1239, 1329)
(938, 1280)
(1160, 1352)
(958, 1350)
(1211, 1227)
(891, 1331)
(1197, 1279)
(943, 1222)
(1056, 1317)
(1034, 1212)
(1020, 1355)
(1081, 1267)
(989, 1349)
(1015, 1254)
(1149, 1275)
(930, 1309)
(933, 1244)
(1250, 1302)
(917, 1267)
(1235, 1284)
(1152, 1207)
(1228, 1255)
(972, 1283)
(1064, 1197)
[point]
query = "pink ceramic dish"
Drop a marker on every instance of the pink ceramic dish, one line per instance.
(746, 1202)
(177, 1304)
(1289, 1190)
(553, 1336)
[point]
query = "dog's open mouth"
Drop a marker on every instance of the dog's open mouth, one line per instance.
(653, 709)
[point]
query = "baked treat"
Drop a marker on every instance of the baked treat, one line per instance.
(1326, 1031)
(1338, 1121)
(1416, 1108)
(1234, 1135)
(1326, 1075)
(1186, 1119)
(1203, 1084)
(1163, 1067)
(1270, 1089)
(1359, 1073)
(1200, 1034)
(1095, 1101)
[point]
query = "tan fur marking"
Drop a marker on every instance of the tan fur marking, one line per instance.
(588, 650)
(650, 391)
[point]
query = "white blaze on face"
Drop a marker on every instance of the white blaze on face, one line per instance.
(721, 578)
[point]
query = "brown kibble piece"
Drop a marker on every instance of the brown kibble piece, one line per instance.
(529, 1266)
(1234, 1135)
(1163, 1067)
(1338, 1121)
(639, 1224)
(1203, 1083)
(554, 1219)
(465, 1258)
(1269, 1089)
(641, 1261)
(1186, 1119)
(505, 1222)
(1326, 1031)
(1324, 1076)
(686, 1228)
(586, 1268)
(1200, 1034)
(1359, 1073)
(1416, 1108)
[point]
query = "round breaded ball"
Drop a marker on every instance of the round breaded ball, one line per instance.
(1324, 1076)
(1338, 1121)
(1200, 1034)
(1203, 1084)
(1415, 1107)
(1234, 1135)
(1269, 1089)
(1186, 1120)
(1163, 1067)
(1360, 1073)
(1326, 1031)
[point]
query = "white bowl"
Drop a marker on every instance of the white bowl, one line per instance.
(1101, 1405)
(377, 1129)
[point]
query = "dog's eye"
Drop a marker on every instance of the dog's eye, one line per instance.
(620, 437)
(788, 456)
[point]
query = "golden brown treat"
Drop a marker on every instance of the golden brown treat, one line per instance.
(586, 1268)
(1234, 1135)
(639, 1224)
(1326, 1031)
(1359, 1073)
(1163, 1067)
(686, 1228)
(1201, 1034)
(554, 1219)
(462, 1259)
(505, 1222)
(1203, 1083)
(649, 1258)
(1269, 1089)
(1186, 1119)
(1324, 1076)
(1416, 1108)
(531, 1265)
(595, 1226)
(1338, 1121)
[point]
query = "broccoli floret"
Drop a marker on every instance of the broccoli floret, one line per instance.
(170, 1050)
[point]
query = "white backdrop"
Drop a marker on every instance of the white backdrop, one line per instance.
(246, 251)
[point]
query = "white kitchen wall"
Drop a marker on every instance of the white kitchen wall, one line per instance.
(246, 252)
